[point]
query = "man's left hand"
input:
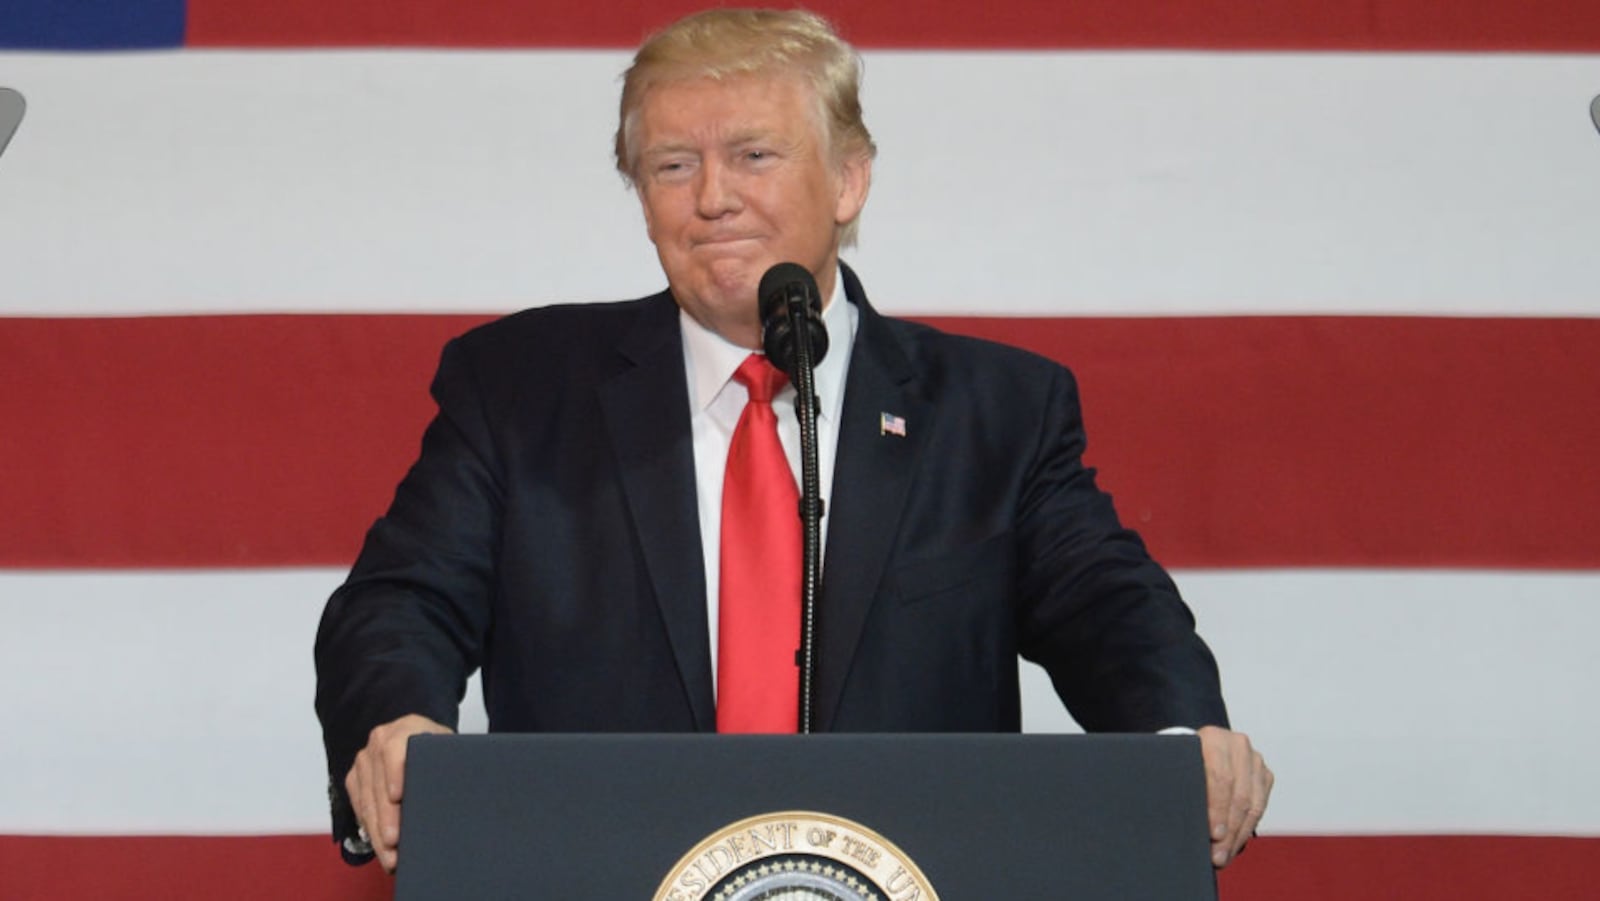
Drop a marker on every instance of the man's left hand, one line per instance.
(1237, 786)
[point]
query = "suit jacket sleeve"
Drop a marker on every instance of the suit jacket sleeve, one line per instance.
(1096, 611)
(407, 628)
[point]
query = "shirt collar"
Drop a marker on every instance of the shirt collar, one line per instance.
(712, 359)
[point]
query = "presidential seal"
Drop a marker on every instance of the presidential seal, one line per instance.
(795, 856)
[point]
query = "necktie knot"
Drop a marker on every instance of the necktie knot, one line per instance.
(759, 377)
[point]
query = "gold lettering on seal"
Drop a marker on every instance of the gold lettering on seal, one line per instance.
(900, 882)
(692, 883)
(770, 838)
(861, 851)
(816, 841)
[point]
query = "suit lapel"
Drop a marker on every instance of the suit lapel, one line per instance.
(872, 477)
(647, 413)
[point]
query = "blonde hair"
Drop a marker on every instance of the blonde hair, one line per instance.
(726, 43)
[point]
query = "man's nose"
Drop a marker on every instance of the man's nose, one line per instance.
(718, 192)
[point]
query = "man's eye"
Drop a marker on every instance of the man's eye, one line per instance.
(670, 170)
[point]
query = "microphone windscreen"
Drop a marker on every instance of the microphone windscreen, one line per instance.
(779, 281)
(788, 294)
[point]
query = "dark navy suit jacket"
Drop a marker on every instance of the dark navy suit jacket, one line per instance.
(549, 534)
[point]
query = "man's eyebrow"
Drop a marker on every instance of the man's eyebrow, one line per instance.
(667, 147)
(749, 135)
(753, 135)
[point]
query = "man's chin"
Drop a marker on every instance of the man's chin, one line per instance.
(734, 282)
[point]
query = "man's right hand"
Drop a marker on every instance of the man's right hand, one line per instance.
(376, 783)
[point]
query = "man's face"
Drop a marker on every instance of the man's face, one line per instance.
(734, 177)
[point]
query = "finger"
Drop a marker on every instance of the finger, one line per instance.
(388, 790)
(1221, 837)
(388, 858)
(394, 849)
(1219, 785)
(356, 792)
(1227, 758)
(1260, 791)
(389, 852)
(1242, 758)
(394, 766)
(363, 794)
(383, 830)
(367, 798)
(1252, 793)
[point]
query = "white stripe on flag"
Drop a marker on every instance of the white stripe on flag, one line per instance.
(1008, 183)
(1405, 701)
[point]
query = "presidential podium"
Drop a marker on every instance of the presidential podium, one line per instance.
(795, 818)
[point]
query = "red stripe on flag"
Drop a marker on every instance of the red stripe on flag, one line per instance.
(1413, 868)
(1566, 25)
(207, 441)
(1314, 441)
(306, 868)
(1340, 441)
(147, 868)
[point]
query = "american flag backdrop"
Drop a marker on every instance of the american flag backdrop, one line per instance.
(1328, 271)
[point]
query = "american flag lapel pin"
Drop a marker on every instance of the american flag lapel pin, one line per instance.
(890, 424)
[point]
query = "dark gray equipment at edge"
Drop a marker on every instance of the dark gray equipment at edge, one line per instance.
(12, 107)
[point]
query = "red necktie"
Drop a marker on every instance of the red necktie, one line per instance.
(758, 620)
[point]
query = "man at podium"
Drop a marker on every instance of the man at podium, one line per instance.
(602, 517)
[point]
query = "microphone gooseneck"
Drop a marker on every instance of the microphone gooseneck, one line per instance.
(795, 340)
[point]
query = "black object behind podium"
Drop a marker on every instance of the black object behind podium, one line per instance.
(985, 817)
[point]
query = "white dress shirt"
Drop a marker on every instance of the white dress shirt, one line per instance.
(716, 401)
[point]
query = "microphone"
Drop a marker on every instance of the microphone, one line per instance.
(788, 295)
(794, 338)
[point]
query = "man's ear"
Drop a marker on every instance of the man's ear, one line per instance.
(855, 180)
